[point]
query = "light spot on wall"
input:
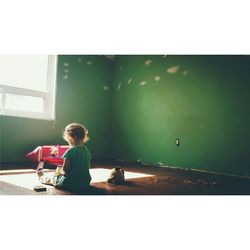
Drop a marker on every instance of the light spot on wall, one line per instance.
(121, 68)
(66, 70)
(119, 86)
(143, 83)
(66, 64)
(157, 78)
(202, 126)
(65, 77)
(164, 56)
(185, 73)
(89, 62)
(110, 57)
(148, 62)
(173, 70)
(129, 80)
(79, 60)
(105, 87)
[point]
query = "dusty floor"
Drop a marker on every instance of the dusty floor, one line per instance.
(140, 180)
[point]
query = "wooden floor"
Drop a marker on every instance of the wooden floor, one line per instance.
(140, 180)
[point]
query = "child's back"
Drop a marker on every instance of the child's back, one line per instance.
(78, 175)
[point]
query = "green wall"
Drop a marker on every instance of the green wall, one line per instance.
(202, 100)
(83, 95)
(136, 106)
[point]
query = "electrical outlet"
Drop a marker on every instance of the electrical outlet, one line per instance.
(177, 142)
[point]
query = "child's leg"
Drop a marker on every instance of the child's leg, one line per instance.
(49, 179)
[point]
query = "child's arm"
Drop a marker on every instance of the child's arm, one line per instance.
(66, 166)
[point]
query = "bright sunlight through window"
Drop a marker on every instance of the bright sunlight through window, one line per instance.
(28, 85)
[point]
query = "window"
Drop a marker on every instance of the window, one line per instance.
(28, 85)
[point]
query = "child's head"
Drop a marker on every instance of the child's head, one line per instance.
(75, 134)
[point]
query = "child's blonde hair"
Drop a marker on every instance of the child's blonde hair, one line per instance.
(77, 132)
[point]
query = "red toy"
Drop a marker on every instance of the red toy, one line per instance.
(50, 154)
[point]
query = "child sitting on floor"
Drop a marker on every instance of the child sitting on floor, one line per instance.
(74, 173)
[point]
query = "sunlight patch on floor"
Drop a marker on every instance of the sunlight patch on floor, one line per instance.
(25, 179)
(102, 174)
(22, 180)
(21, 171)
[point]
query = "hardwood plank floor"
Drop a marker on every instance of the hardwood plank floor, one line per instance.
(140, 180)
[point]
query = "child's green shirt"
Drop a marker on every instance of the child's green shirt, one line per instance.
(78, 176)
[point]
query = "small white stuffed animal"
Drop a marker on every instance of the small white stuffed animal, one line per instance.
(116, 176)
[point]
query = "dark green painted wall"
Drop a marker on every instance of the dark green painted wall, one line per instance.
(203, 100)
(83, 95)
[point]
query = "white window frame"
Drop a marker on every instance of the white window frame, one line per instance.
(48, 96)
